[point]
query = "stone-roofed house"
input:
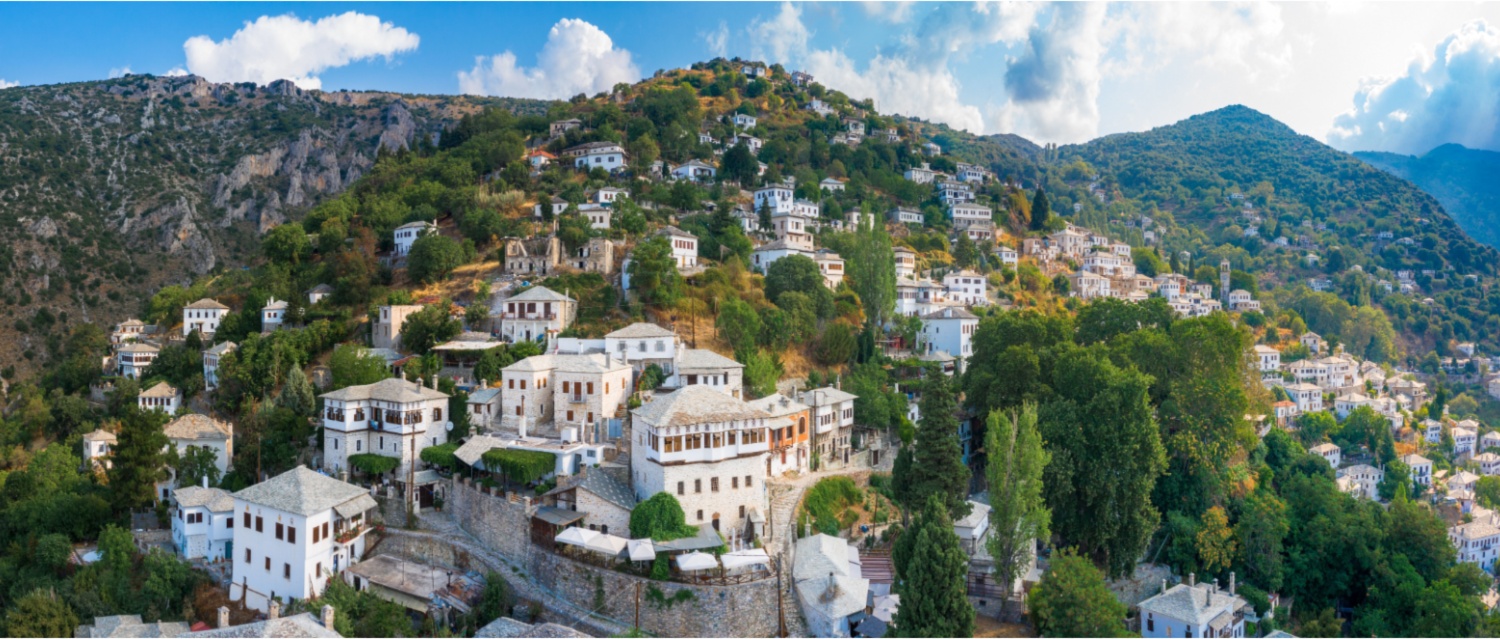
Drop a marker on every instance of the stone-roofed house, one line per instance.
(162, 398)
(703, 366)
(950, 329)
(195, 430)
(707, 449)
(273, 315)
(133, 358)
(97, 447)
(318, 293)
(484, 407)
(295, 532)
(508, 628)
(830, 584)
(130, 626)
(1194, 610)
(1477, 543)
(390, 418)
(643, 344)
(211, 357)
(607, 503)
(298, 625)
(832, 412)
(386, 332)
(534, 314)
(1421, 468)
(202, 522)
(1361, 480)
(203, 316)
(790, 447)
(563, 396)
(1329, 452)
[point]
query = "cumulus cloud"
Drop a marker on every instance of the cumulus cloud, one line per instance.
(119, 72)
(6, 84)
(895, 12)
(898, 87)
(176, 72)
(1450, 96)
(578, 58)
(783, 38)
(954, 29)
(1053, 86)
(286, 47)
(1241, 36)
(718, 40)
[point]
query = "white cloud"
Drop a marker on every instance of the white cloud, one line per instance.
(176, 72)
(718, 40)
(894, 12)
(6, 84)
(783, 38)
(1451, 96)
(119, 72)
(578, 58)
(1053, 87)
(953, 30)
(1241, 37)
(898, 87)
(286, 47)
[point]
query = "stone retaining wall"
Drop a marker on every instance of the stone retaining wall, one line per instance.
(740, 610)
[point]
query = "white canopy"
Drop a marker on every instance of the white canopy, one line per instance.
(641, 550)
(747, 557)
(608, 544)
(576, 536)
(885, 607)
(697, 561)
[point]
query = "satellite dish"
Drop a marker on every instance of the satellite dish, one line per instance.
(449, 426)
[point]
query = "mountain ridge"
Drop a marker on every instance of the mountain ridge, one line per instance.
(1466, 181)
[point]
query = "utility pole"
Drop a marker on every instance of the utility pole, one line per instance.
(638, 605)
(780, 597)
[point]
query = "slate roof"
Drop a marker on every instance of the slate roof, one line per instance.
(564, 363)
(130, 626)
(696, 405)
(137, 347)
(778, 405)
(827, 395)
(470, 452)
(275, 305)
(1195, 605)
(305, 492)
(539, 294)
(416, 225)
(387, 390)
(100, 435)
(299, 625)
(197, 426)
(950, 312)
(701, 358)
(321, 288)
(641, 329)
(220, 348)
(675, 232)
(215, 499)
(161, 389)
(483, 396)
(600, 484)
(208, 304)
(505, 627)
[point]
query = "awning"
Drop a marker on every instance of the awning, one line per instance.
(361, 504)
(742, 558)
(641, 550)
(885, 607)
(706, 538)
(607, 544)
(558, 516)
(696, 561)
(576, 536)
(425, 477)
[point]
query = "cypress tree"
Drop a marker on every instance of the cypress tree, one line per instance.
(139, 460)
(1040, 210)
(934, 599)
(937, 465)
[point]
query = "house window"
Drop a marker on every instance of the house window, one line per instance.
(698, 488)
(286, 571)
(679, 488)
(247, 555)
(700, 515)
(713, 484)
(1150, 623)
(325, 530)
(268, 564)
(359, 445)
(437, 414)
(319, 569)
(247, 520)
(567, 387)
(518, 410)
(734, 482)
(291, 535)
(742, 511)
(259, 524)
(747, 481)
(278, 532)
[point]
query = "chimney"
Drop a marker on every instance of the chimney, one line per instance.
(223, 617)
(1164, 585)
(327, 616)
(1193, 580)
(434, 381)
(275, 612)
(1215, 588)
(1231, 583)
(205, 481)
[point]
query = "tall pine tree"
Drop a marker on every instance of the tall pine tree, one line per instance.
(1041, 211)
(934, 599)
(139, 460)
(297, 393)
(937, 464)
(1018, 514)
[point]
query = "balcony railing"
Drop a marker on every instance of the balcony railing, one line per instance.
(529, 316)
(350, 534)
(577, 399)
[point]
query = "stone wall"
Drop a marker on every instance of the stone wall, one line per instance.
(740, 610)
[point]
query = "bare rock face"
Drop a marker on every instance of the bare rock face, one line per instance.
(41, 228)
(400, 127)
(179, 235)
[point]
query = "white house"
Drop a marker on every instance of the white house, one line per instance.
(1361, 480)
(293, 533)
(1329, 452)
(904, 215)
(97, 446)
(1465, 437)
(1313, 342)
(751, 142)
(703, 366)
(1489, 440)
(1489, 463)
(921, 175)
(967, 287)
(609, 156)
(743, 120)
(203, 522)
(831, 184)
(1008, 256)
(1268, 360)
(197, 431)
(830, 265)
(1309, 398)
(707, 449)
(483, 405)
(950, 330)
(1421, 468)
(564, 395)
(534, 314)
(556, 205)
(133, 358)
(790, 448)
(1194, 610)
(273, 315)
(1348, 403)
(161, 397)
(695, 170)
(610, 195)
(777, 198)
(906, 262)
(1476, 543)
(203, 316)
(407, 234)
(598, 216)
(318, 293)
(643, 344)
(1432, 431)
(390, 418)
(832, 414)
(684, 246)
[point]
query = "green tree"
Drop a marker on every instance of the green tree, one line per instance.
(495, 600)
(1486, 490)
(194, 465)
(363, 614)
(1260, 532)
(1215, 540)
(762, 370)
(297, 393)
(836, 345)
(738, 324)
(797, 273)
(660, 518)
(1041, 211)
(1101, 412)
(349, 367)
(432, 258)
(937, 456)
(1073, 601)
(1019, 517)
(429, 327)
(739, 165)
(934, 601)
(871, 270)
(286, 244)
(138, 462)
(40, 614)
(653, 272)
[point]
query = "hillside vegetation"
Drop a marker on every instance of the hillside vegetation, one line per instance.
(1466, 181)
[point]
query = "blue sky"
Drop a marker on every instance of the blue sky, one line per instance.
(1389, 76)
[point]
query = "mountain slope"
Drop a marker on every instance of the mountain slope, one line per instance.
(112, 188)
(1466, 181)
